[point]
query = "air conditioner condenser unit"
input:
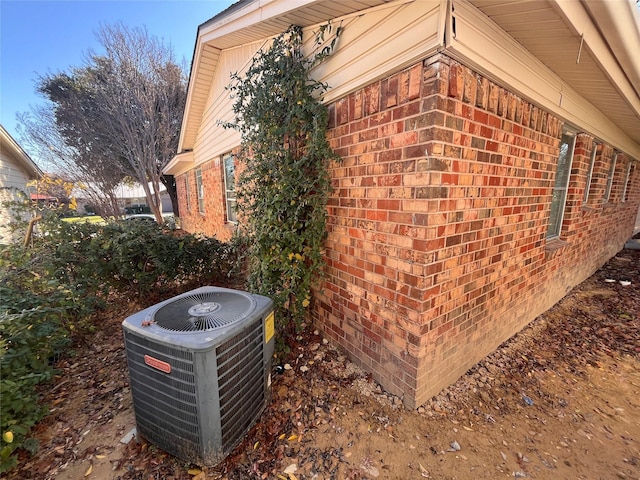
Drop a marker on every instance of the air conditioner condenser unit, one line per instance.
(199, 368)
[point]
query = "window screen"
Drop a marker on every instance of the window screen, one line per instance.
(228, 162)
(563, 172)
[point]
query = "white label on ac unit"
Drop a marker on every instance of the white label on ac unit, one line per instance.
(269, 327)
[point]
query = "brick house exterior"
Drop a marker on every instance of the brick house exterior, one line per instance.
(437, 248)
(211, 219)
(451, 225)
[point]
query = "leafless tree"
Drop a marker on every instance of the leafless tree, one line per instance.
(97, 177)
(143, 92)
(125, 105)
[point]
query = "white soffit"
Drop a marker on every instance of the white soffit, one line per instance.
(247, 22)
(554, 54)
(619, 22)
(202, 72)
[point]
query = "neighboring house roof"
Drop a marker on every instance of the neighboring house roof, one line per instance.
(123, 191)
(12, 148)
(135, 190)
(42, 196)
(578, 59)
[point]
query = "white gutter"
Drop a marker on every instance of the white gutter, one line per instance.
(614, 39)
(619, 23)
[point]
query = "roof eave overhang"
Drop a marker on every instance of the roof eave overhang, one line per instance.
(604, 26)
(238, 25)
(221, 32)
(621, 22)
(495, 53)
(179, 164)
(613, 35)
(16, 151)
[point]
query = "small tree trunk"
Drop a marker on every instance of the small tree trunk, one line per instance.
(152, 198)
(27, 237)
(169, 182)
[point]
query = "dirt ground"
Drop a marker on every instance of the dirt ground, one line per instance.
(561, 400)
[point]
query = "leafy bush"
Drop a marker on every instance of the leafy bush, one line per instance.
(36, 318)
(49, 289)
(29, 340)
(284, 185)
(131, 257)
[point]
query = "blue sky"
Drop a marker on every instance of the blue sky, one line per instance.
(41, 37)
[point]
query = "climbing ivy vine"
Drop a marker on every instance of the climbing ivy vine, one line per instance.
(283, 184)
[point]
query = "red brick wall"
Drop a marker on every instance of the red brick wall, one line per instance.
(213, 221)
(437, 249)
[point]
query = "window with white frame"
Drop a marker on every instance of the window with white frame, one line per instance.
(563, 172)
(187, 191)
(200, 190)
(612, 171)
(228, 163)
(592, 162)
(627, 181)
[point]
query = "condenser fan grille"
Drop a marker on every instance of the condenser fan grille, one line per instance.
(204, 311)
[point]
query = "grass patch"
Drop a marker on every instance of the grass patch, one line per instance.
(88, 219)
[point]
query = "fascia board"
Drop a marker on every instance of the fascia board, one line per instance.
(199, 82)
(479, 43)
(187, 107)
(253, 13)
(179, 164)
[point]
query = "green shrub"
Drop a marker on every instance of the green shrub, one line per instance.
(49, 289)
(132, 257)
(34, 328)
(284, 185)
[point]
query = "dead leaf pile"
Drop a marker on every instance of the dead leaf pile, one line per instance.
(529, 409)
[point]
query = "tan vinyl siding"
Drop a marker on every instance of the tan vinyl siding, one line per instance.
(213, 140)
(12, 176)
(376, 43)
(371, 45)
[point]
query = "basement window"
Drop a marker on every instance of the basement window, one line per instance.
(229, 165)
(200, 190)
(563, 171)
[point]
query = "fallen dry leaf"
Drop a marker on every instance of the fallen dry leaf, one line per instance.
(563, 361)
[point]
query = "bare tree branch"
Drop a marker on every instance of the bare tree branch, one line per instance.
(99, 178)
(124, 107)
